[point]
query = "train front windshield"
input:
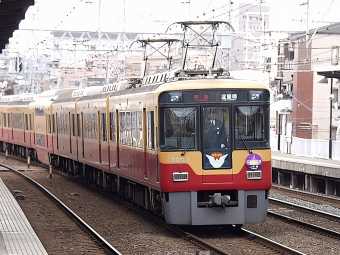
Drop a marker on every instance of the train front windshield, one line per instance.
(178, 127)
(214, 121)
(251, 127)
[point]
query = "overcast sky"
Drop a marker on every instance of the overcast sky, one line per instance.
(154, 16)
(130, 15)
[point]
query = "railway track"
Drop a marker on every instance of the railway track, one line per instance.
(326, 224)
(241, 237)
(98, 245)
(238, 237)
(308, 196)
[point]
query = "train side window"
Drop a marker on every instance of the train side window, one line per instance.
(5, 120)
(134, 129)
(103, 127)
(122, 128)
(79, 124)
(139, 129)
(31, 121)
(9, 120)
(26, 121)
(84, 124)
(53, 124)
(17, 120)
(49, 123)
(151, 130)
(95, 126)
(128, 128)
(66, 124)
(112, 127)
(73, 124)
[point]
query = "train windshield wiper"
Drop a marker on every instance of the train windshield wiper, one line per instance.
(245, 144)
(184, 151)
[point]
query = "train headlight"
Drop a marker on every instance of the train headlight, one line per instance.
(254, 175)
(176, 97)
(180, 176)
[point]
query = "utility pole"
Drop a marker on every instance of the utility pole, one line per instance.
(229, 51)
(279, 77)
(330, 121)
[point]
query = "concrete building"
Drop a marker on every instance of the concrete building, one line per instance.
(315, 98)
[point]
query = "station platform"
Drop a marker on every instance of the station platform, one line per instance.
(17, 237)
(313, 166)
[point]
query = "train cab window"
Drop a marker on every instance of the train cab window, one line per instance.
(112, 127)
(151, 130)
(251, 127)
(177, 128)
(216, 128)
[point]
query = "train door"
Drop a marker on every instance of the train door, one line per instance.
(216, 142)
(24, 126)
(117, 139)
(32, 128)
(100, 136)
(82, 135)
(144, 143)
(48, 131)
(79, 132)
(104, 140)
(151, 156)
(70, 131)
(57, 130)
(2, 126)
(11, 125)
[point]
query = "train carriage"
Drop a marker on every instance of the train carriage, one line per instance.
(5, 119)
(67, 131)
(133, 149)
(162, 158)
(92, 143)
(21, 126)
(41, 112)
(225, 181)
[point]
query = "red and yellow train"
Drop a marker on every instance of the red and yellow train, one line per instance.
(192, 146)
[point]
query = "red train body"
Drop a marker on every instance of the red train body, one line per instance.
(147, 143)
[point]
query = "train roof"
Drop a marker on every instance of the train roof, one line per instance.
(88, 91)
(211, 84)
(10, 98)
(208, 84)
(54, 92)
(49, 96)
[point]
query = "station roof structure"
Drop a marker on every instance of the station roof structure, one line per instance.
(330, 74)
(11, 14)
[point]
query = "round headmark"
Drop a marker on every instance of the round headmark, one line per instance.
(253, 161)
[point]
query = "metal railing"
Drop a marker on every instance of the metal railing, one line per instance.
(306, 147)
